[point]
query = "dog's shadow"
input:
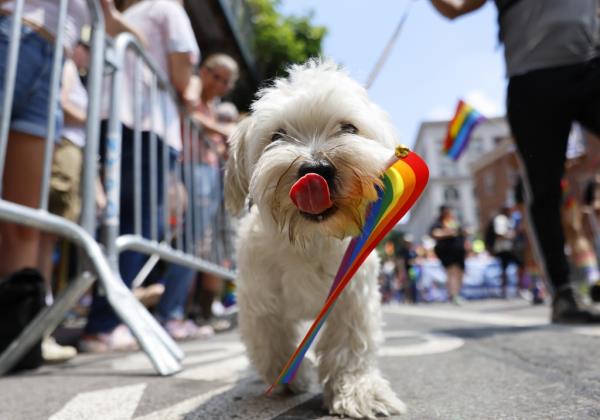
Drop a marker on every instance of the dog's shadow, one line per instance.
(247, 399)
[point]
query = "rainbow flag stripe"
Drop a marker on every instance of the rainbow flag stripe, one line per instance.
(460, 128)
(403, 182)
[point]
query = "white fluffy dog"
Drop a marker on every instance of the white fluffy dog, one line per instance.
(308, 158)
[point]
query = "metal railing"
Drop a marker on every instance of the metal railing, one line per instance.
(163, 352)
(187, 236)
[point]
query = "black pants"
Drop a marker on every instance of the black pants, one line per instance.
(542, 105)
(102, 318)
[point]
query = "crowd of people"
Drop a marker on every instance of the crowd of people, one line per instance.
(552, 58)
(496, 261)
(183, 300)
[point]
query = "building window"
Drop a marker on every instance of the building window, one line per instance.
(477, 146)
(451, 195)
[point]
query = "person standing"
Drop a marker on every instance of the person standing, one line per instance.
(552, 55)
(505, 234)
(20, 245)
(450, 249)
(169, 39)
(218, 74)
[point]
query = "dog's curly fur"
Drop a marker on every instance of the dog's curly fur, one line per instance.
(287, 260)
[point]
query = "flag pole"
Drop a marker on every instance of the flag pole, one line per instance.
(388, 48)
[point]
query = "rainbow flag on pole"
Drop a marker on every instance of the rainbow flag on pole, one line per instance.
(460, 129)
(403, 182)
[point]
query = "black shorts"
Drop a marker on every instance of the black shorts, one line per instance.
(451, 256)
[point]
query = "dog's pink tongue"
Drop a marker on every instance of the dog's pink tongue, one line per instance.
(311, 194)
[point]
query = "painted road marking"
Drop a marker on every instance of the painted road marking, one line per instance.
(488, 318)
(467, 316)
(429, 344)
(111, 403)
(204, 361)
(592, 331)
(181, 409)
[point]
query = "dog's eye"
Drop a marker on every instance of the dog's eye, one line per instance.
(348, 128)
(278, 135)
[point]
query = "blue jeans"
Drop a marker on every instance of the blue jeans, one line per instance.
(207, 182)
(29, 112)
(177, 281)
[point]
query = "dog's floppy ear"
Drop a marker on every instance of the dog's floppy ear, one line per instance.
(236, 170)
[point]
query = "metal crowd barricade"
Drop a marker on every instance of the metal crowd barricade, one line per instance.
(164, 354)
(183, 252)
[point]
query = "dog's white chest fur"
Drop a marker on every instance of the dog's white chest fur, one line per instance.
(295, 280)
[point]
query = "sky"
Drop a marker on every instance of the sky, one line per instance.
(434, 63)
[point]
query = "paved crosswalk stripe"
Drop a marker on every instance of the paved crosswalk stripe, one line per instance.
(463, 315)
(112, 403)
(427, 343)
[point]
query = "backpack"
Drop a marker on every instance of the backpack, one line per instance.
(489, 236)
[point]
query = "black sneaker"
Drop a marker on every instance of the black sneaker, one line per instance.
(595, 292)
(22, 296)
(537, 298)
(567, 309)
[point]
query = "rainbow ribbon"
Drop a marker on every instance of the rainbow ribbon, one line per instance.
(403, 182)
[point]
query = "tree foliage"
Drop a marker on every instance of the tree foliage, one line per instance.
(283, 40)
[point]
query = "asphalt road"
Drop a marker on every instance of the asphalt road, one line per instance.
(485, 360)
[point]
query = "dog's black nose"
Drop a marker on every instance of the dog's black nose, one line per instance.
(321, 167)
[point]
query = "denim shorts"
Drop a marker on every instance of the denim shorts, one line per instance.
(32, 85)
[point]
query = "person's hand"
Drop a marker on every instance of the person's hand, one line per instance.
(101, 201)
(191, 94)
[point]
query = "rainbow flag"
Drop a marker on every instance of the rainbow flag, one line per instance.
(403, 182)
(460, 128)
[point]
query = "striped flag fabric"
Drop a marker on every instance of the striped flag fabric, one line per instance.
(460, 128)
(403, 182)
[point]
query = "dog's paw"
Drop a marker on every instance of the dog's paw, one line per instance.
(304, 379)
(362, 397)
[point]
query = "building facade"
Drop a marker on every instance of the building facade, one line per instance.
(451, 182)
(495, 178)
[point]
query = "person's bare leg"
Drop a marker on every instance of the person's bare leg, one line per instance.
(454, 275)
(211, 288)
(19, 245)
(450, 279)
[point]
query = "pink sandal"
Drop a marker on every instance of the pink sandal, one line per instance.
(180, 329)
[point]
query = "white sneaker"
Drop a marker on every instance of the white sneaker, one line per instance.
(52, 352)
(217, 308)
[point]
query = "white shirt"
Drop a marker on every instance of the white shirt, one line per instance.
(44, 14)
(167, 29)
(504, 226)
(77, 96)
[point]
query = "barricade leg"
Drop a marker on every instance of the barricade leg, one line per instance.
(160, 348)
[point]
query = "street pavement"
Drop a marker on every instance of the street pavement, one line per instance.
(488, 359)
